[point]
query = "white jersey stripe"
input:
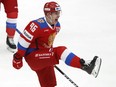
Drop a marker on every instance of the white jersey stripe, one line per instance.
(23, 42)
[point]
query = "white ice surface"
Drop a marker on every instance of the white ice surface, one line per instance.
(88, 29)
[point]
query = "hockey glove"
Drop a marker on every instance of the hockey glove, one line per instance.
(17, 61)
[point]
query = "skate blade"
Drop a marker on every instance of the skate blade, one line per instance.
(97, 67)
(11, 50)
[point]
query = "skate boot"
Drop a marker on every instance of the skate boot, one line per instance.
(10, 44)
(91, 67)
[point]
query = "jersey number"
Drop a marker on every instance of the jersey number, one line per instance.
(33, 27)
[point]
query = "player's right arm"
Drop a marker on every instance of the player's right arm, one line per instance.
(27, 37)
(24, 41)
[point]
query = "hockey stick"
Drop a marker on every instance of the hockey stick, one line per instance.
(18, 31)
(66, 76)
(58, 68)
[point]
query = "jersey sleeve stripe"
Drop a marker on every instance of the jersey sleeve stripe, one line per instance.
(21, 47)
(23, 42)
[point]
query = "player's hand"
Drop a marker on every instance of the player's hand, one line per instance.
(17, 61)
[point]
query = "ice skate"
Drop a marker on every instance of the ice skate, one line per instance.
(92, 67)
(10, 44)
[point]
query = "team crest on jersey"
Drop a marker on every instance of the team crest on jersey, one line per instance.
(50, 41)
(40, 20)
(57, 29)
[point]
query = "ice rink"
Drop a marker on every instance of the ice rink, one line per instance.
(88, 28)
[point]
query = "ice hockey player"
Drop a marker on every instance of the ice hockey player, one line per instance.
(11, 10)
(36, 46)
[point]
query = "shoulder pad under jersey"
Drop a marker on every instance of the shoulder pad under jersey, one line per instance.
(41, 22)
(58, 24)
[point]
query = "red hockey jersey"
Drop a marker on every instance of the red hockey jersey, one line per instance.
(38, 34)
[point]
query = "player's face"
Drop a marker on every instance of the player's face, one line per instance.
(54, 17)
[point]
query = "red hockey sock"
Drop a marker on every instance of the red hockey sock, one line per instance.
(75, 62)
(11, 27)
(70, 59)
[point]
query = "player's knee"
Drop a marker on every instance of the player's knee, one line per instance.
(12, 15)
(59, 50)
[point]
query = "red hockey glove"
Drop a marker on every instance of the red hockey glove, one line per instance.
(17, 61)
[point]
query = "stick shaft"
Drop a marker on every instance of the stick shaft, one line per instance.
(66, 76)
